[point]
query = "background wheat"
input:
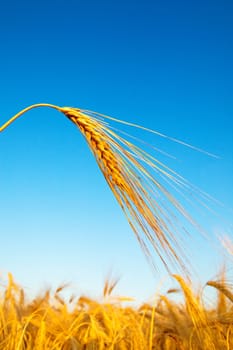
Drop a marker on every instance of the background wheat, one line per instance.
(49, 322)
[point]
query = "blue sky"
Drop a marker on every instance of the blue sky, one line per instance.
(163, 64)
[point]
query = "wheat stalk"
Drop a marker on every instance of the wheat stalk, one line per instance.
(125, 168)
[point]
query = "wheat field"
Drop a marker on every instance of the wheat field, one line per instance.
(50, 322)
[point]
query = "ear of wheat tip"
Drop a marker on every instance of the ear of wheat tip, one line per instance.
(125, 167)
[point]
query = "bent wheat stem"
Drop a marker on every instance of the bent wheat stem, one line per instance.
(16, 116)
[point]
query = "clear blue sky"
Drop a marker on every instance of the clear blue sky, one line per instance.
(163, 64)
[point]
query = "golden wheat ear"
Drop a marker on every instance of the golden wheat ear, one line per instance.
(128, 171)
(132, 185)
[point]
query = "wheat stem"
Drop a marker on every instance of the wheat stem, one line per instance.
(16, 116)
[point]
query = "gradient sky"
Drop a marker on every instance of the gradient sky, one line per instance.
(166, 65)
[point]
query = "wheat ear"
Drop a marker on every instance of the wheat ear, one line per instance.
(125, 168)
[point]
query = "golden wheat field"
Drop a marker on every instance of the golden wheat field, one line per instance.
(50, 322)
